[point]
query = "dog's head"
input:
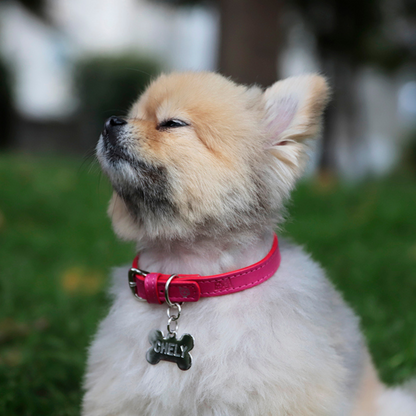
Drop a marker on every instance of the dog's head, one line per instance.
(200, 156)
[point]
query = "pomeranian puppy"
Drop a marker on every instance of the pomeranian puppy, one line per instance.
(201, 169)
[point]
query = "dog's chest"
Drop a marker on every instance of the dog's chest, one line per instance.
(268, 349)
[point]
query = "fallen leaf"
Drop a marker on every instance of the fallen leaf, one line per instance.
(71, 279)
(82, 280)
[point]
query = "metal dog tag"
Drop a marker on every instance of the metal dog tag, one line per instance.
(170, 349)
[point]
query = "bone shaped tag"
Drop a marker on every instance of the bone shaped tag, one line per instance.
(170, 349)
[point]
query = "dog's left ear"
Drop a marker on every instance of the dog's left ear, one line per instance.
(293, 113)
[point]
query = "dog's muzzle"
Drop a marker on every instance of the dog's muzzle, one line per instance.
(111, 130)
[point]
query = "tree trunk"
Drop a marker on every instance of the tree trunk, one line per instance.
(250, 40)
(342, 126)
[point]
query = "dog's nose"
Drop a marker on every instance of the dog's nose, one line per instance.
(114, 121)
(110, 128)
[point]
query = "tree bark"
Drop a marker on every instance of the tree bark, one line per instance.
(250, 40)
(342, 124)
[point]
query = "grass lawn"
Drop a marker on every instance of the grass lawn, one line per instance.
(57, 249)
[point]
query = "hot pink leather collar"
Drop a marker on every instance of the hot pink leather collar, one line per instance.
(191, 287)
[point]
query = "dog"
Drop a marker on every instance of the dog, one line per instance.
(201, 169)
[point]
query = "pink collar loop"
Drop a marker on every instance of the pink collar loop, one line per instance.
(191, 287)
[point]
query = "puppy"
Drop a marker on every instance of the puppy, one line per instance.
(201, 169)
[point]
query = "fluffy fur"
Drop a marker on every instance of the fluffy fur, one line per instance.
(201, 171)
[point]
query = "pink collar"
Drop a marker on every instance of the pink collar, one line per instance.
(191, 287)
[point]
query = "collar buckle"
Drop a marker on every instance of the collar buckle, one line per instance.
(132, 282)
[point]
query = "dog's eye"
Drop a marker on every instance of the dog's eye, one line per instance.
(171, 123)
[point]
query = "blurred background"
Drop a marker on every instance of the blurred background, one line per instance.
(67, 65)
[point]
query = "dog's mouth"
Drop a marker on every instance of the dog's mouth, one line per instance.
(114, 154)
(112, 148)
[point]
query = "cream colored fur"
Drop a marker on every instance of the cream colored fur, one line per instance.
(288, 347)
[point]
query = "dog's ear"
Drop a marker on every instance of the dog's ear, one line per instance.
(293, 112)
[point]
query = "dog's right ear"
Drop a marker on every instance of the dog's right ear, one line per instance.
(293, 112)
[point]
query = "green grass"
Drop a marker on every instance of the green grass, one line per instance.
(57, 248)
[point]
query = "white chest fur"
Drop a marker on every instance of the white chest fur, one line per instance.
(287, 347)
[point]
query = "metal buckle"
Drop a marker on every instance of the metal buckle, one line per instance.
(132, 282)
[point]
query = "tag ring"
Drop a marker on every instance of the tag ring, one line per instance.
(170, 330)
(167, 284)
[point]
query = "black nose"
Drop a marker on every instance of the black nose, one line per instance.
(110, 128)
(114, 121)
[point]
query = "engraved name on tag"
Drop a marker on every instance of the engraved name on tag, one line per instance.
(170, 349)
